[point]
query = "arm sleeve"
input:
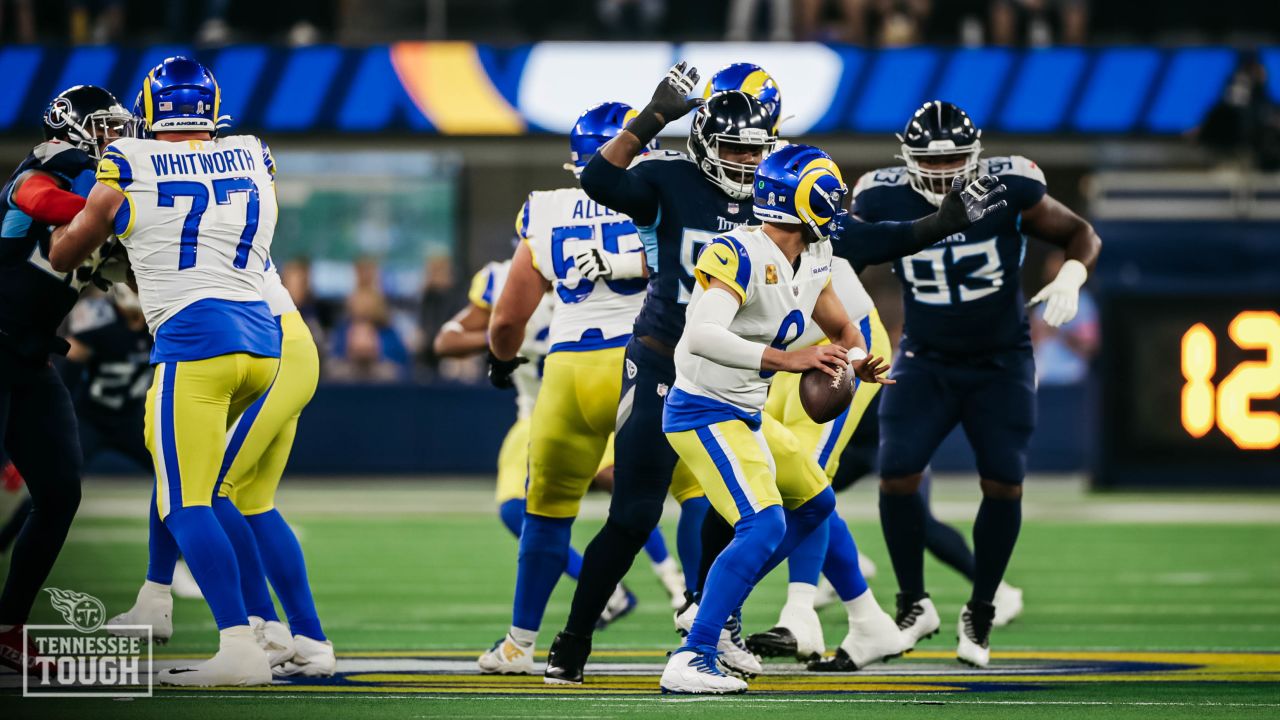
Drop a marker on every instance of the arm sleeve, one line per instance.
(709, 335)
(623, 190)
(46, 203)
(871, 243)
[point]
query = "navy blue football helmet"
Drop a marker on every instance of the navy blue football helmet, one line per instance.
(733, 118)
(942, 135)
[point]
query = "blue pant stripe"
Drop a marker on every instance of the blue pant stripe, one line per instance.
(725, 467)
(243, 426)
(167, 437)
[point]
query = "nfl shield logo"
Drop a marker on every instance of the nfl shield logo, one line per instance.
(733, 208)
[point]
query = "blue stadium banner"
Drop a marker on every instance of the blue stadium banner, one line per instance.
(460, 88)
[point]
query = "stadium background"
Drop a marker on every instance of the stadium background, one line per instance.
(408, 133)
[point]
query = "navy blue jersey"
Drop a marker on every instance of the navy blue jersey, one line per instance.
(117, 374)
(677, 210)
(961, 296)
(34, 298)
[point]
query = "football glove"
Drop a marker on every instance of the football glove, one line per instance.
(500, 371)
(962, 207)
(1061, 297)
(597, 264)
(669, 103)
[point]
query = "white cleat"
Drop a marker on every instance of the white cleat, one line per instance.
(153, 608)
(693, 671)
(184, 583)
(918, 620)
(239, 662)
(507, 657)
(804, 624)
(733, 652)
(672, 579)
(274, 637)
(311, 659)
(867, 567)
(973, 632)
(684, 618)
(873, 637)
(826, 594)
(1008, 604)
(620, 605)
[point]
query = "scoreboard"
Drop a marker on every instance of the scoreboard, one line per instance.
(1191, 390)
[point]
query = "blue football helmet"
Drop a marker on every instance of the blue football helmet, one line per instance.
(801, 184)
(180, 95)
(752, 80)
(595, 127)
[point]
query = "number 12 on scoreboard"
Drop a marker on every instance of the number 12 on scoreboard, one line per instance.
(1228, 406)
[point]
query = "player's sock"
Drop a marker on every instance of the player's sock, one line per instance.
(756, 538)
(717, 533)
(841, 563)
(656, 547)
(287, 570)
(212, 560)
(253, 578)
(604, 563)
(689, 538)
(805, 564)
(902, 519)
(995, 532)
(512, 514)
(573, 566)
(801, 523)
(162, 550)
(947, 544)
(544, 550)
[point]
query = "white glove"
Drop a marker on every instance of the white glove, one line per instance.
(596, 264)
(1061, 297)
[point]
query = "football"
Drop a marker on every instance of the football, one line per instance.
(824, 397)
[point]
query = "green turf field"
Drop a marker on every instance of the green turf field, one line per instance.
(1137, 606)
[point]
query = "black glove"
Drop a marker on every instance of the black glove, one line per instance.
(500, 370)
(670, 102)
(962, 207)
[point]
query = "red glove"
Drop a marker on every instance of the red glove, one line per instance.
(12, 478)
(46, 203)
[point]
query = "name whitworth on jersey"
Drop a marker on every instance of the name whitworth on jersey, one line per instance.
(205, 163)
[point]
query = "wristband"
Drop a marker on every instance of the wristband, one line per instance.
(646, 126)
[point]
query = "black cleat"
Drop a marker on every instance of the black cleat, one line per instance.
(566, 659)
(840, 663)
(774, 642)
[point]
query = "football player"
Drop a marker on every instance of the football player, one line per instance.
(37, 420)
(758, 290)
(196, 213)
(966, 353)
(679, 203)
(590, 258)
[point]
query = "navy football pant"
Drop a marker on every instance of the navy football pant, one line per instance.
(643, 463)
(38, 425)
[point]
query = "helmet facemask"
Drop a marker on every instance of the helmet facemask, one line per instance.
(950, 161)
(99, 129)
(733, 177)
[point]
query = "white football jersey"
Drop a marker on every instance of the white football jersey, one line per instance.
(857, 302)
(557, 225)
(486, 287)
(777, 308)
(198, 219)
(275, 293)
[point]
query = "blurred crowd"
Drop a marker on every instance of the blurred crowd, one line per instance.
(864, 22)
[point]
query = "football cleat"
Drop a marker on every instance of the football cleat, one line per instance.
(672, 579)
(873, 639)
(917, 619)
(620, 605)
(17, 656)
(694, 671)
(867, 567)
(239, 661)
(733, 652)
(974, 632)
(274, 637)
(154, 608)
(798, 635)
(1008, 604)
(507, 657)
(311, 659)
(566, 659)
(184, 583)
(685, 616)
(826, 595)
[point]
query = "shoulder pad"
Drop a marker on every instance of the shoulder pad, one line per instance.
(90, 315)
(483, 290)
(62, 158)
(726, 259)
(1015, 165)
(883, 177)
(655, 155)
